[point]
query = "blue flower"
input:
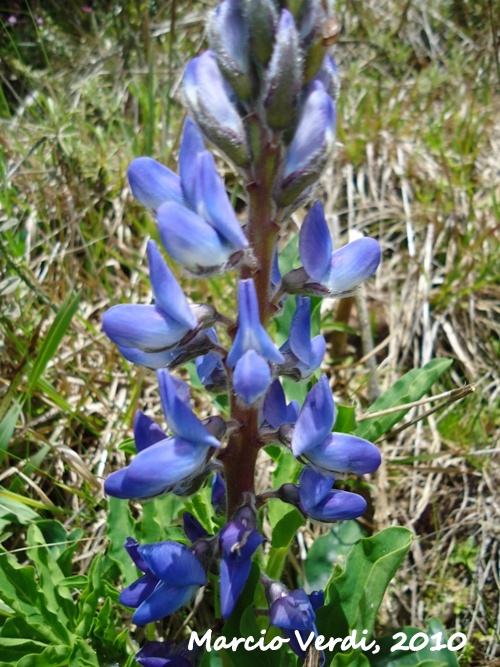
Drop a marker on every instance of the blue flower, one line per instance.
(147, 328)
(197, 223)
(336, 273)
(172, 575)
(210, 368)
(251, 348)
(276, 411)
(218, 496)
(303, 355)
(335, 452)
(164, 463)
(322, 503)
(238, 543)
(293, 611)
(162, 654)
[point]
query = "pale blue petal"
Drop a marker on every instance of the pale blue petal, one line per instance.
(251, 335)
(315, 243)
(352, 264)
(153, 360)
(212, 202)
(167, 291)
(180, 418)
(152, 183)
(190, 240)
(251, 377)
(191, 144)
(145, 327)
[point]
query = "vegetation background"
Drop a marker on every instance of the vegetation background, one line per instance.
(85, 87)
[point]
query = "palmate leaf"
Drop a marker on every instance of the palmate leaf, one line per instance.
(411, 387)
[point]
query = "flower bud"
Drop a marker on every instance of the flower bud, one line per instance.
(211, 102)
(228, 37)
(251, 377)
(283, 78)
(262, 18)
(311, 145)
(152, 183)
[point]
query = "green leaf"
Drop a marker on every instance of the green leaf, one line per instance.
(424, 657)
(50, 575)
(7, 427)
(411, 387)
(354, 595)
(54, 336)
(350, 660)
(345, 421)
(53, 656)
(329, 549)
(285, 521)
(120, 526)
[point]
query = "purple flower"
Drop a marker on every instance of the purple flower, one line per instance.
(197, 223)
(218, 497)
(335, 452)
(251, 377)
(161, 654)
(293, 611)
(172, 575)
(238, 543)
(162, 462)
(303, 355)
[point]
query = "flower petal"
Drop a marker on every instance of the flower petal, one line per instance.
(180, 418)
(146, 431)
(340, 452)
(152, 183)
(251, 335)
(168, 293)
(192, 527)
(316, 418)
(338, 506)
(292, 612)
(314, 487)
(135, 594)
(251, 377)
(212, 202)
(190, 240)
(142, 326)
(352, 264)
(173, 564)
(191, 145)
(315, 243)
(162, 602)
(152, 360)
(233, 577)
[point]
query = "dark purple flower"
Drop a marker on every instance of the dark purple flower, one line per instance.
(172, 575)
(238, 543)
(276, 410)
(303, 355)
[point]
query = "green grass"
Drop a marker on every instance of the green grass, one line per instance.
(81, 95)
